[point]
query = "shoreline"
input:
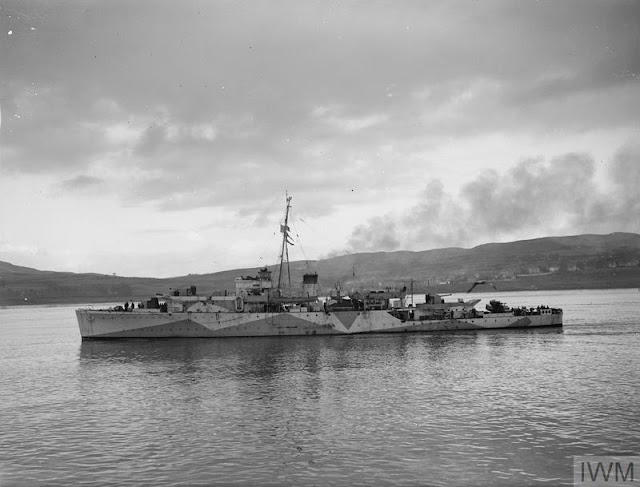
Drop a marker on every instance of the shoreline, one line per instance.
(97, 300)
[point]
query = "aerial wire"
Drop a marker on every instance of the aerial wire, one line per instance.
(299, 241)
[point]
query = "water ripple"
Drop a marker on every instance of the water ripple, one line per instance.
(488, 408)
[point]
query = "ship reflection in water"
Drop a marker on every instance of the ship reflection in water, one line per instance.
(495, 406)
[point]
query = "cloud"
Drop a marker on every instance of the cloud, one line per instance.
(336, 118)
(25, 255)
(43, 133)
(557, 197)
(182, 106)
(167, 135)
(378, 234)
(626, 178)
(207, 60)
(8, 248)
(272, 68)
(80, 183)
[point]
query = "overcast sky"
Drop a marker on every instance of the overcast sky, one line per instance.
(159, 138)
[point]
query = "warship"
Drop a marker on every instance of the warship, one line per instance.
(261, 306)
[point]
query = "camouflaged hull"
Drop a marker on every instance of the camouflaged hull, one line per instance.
(142, 323)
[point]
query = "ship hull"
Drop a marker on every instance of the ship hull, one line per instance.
(153, 324)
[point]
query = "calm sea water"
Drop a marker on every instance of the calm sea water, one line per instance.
(468, 408)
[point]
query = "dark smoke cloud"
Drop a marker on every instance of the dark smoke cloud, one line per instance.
(378, 234)
(533, 199)
(626, 178)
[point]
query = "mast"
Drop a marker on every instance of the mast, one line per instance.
(284, 254)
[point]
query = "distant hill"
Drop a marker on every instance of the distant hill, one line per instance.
(573, 262)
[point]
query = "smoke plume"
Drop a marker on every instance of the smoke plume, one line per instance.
(536, 198)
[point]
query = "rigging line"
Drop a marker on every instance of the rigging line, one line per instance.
(306, 259)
